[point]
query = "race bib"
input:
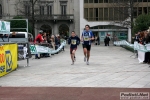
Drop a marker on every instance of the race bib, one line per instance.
(86, 38)
(73, 42)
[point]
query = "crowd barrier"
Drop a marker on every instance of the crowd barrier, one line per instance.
(8, 58)
(142, 49)
(36, 49)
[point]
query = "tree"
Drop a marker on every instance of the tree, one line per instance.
(19, 24)
(124, 12)
(28, 8)
(142, 22)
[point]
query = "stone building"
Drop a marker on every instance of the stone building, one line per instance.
(54, 16)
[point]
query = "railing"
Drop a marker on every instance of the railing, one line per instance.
(51, 17)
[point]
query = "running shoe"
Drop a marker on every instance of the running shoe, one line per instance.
(84, 59)
(87, 62)
(72, 63)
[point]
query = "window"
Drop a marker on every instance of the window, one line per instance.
(139, 0)
(144, 0)
(96, 14)
(90, 1)
(105, 13)
(85, 1)
(95, 1)
(0, 10)
(111, 13)
(116, 13)
(145, 11)
(91, 14)
(139, 11)
(63, 9)
(100, 1)
(105, 1)
(41, 10)
(101, 14)
(111, 1)
(49, 10)
(86, 13)
(121, 13)
(134, 12)
(148, 9)
(27, 10)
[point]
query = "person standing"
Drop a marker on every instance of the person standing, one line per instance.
(73, 41)
(106, 40)
(86, 37)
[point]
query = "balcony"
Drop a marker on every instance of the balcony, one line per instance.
(53, 17)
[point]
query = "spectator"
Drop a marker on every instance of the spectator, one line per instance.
(39, 37)
(106, 40)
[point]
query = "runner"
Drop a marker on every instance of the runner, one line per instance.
(73, 41)
(78, 44)
(86, 38)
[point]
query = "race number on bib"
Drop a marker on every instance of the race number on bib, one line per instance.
(73, 42)
(86, 38)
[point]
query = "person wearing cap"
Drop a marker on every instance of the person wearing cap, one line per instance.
(39, 37)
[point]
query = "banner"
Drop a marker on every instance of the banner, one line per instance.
(8, 58)
(4, 27)
(36, 49)
(135, 46)
(141, 56)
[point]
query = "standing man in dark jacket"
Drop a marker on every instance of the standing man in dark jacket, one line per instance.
(106, 40)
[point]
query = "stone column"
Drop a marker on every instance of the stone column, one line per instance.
(129, 34)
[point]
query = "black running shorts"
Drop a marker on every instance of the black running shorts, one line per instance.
(88, 47)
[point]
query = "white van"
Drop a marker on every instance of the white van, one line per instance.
(26, 35)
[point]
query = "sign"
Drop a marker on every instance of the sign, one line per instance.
(4, 27)
(8, 58)
(36, 49)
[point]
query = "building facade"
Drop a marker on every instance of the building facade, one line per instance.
(53, 16)
(105, 16)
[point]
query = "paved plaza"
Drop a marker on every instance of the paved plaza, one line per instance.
(109, 67)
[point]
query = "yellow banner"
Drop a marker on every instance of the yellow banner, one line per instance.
(8, 58)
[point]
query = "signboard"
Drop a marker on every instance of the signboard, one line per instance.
(8, 58)
(4, 27)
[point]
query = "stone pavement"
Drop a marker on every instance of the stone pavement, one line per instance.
(109, 67)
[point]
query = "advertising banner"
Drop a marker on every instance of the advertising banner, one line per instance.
(8, 58)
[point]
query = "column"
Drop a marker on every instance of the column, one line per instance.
(129, 34)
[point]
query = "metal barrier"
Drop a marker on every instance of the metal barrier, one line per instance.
(20, 49)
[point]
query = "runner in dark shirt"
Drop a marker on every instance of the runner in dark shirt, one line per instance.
(73, 41)
(86, 37)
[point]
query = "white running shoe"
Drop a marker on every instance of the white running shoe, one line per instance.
(87, 62)
(72, 63)
(84, 59)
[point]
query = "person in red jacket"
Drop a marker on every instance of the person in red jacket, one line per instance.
(39, 37)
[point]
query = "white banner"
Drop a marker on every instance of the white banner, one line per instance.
(4, 27)
(141, 56)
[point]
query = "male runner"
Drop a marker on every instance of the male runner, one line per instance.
(86, 38)
(73, 41)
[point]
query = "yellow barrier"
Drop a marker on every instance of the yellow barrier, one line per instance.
(8, 58)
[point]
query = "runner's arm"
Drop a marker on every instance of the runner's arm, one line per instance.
(81, 38)
(69, 41)
(92, 36)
